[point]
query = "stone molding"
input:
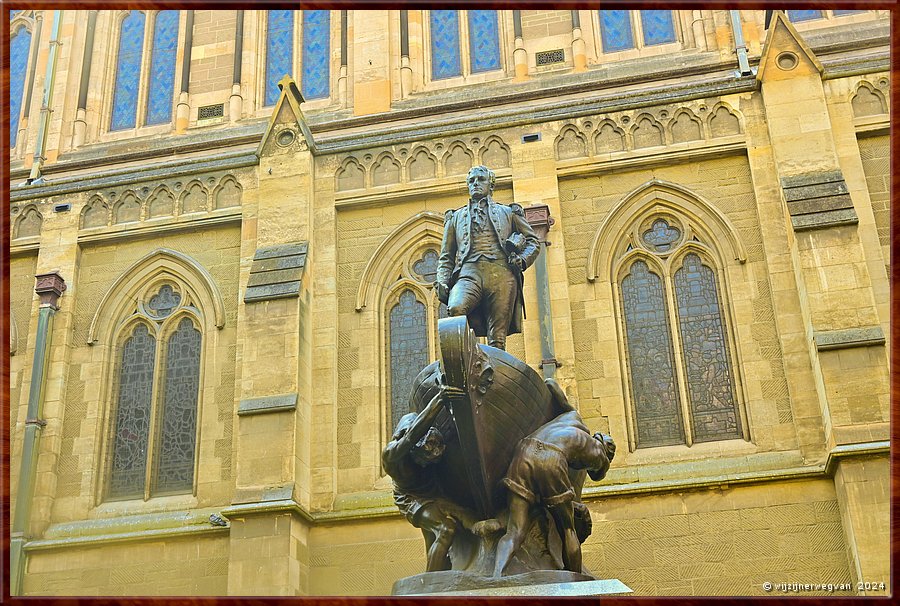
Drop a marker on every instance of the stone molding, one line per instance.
(849, 337)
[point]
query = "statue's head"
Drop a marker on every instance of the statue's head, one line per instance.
(598, 472)
(481, 181)
(430, 448)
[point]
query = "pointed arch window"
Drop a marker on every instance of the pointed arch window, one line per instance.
(19, 51)
(316, 78)
(162, 68)
(448, 28)
(153, 436)
(151, 78)
(411, 340)
(279, 50)
(679, 349)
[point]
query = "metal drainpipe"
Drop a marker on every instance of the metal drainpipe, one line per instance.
(538, 216)
(49, 287)
(44, 124)
(739, 46)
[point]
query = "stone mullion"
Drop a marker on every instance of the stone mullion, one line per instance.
(681, 375)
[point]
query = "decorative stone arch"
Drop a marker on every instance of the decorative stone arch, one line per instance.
(647, 132)
(385, 170)
(705, 220)
(415, 232)
(227, 193)
(350, 175)
(159, 265)
(194, 198)
(28, 223)
(494, 153)
(458, 159)
(127, 209)
(724, 121)
(867, 100)
(570, 143)
(160, 203)
(96, 213)
(685, 127)
(422, 164)
(608, 137)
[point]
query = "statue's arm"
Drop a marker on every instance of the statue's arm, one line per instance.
(448, 257)
(399, 448)
(532, 244)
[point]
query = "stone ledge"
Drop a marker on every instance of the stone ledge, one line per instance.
(849, 337)
(276, 272)
(551, 583)
(256, 406)
(821, 220)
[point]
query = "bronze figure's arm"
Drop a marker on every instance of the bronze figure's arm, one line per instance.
(447, 260)
(397, 449)
(532, 248)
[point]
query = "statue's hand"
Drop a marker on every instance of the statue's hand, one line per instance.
(517, 261)
(443, 293)
(450, 394)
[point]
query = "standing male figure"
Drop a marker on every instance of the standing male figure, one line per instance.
(486, 247)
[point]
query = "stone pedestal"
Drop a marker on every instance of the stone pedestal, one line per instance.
(557, 583)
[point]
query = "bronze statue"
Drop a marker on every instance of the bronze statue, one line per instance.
(541, 473)
(486, 247)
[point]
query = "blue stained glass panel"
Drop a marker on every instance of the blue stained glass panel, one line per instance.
(658, 27)
(128, 71)
(18, 66)
(162, 68)
(615, 30)
(279, 51)
(795, 16)
(484, 41)
(178, 431)
(408, 351)
(445, 62)
(651, 360)
(706, 358)
(131, 433)
(315, 80)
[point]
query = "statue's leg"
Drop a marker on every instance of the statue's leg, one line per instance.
(515, 532)
(464, 296)
(564, 517)
(443, 528)
(500, 300)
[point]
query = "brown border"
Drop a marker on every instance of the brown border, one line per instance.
(379, 4)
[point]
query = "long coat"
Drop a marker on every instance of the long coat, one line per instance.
(456, 246)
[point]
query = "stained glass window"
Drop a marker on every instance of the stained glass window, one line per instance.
(804, 15)
(615, 30)
(661, 236)
(315, 80)
(706, 359)
(426, 267)
(650, 358)
(132, 426)
(128, 71)
(484, 41)
(658, 27)
(177, 434)
(279, 51)
(445, 60)
(408, 346)
(163, 302)
(162, 68)
(19, 45)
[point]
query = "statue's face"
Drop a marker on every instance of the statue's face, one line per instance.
(479, 185)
